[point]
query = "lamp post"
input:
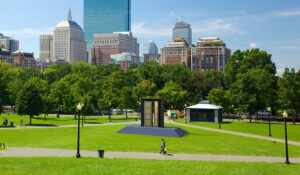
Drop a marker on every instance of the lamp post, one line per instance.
(285, 116)
(233, 113)
(185, 113)
(219, 118)
(109, 112)
(270, 109)
(79, 107)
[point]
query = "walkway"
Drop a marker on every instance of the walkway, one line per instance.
(70, 126)
(44, 152)
(235, 133)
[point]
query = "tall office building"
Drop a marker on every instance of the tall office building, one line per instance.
(46, 47)
(176, 52)
(210, 54)
(183, 30)
(105, 45)
(150, 47)
(68, 41)
(150, 51)
(8, 43)
(105, 16)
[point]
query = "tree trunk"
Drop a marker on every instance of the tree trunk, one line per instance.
(75, 116)
(30, 120)
(44, 116)
(257, 116)
(250, 118)
(126, 114)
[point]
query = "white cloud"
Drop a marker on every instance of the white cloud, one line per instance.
(280, 71)
(288, 13)
(290, 47)
(140, 29)
(28, 32)
(253, 45)
(216, 27)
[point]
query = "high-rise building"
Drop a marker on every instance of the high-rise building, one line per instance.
(105, 45)
(150, 51)
(68, 41)
(8, 43)
(150, 47)
(105, 16)
(183, 30)
(46, 47)
(210, 53)
(176, 52)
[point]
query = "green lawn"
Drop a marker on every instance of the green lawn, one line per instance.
(105, 137)
(91, 166)
(63, 120)
(259, 128)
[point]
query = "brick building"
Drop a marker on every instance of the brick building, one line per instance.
(176, 52)
(24, 59)
(210, 53)
(105, 45)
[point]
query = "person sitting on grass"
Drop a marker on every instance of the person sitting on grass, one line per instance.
(163, 146)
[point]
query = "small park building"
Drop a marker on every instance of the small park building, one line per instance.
(204, 112)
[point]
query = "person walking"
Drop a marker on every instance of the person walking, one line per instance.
(21, 122)
(163, 146)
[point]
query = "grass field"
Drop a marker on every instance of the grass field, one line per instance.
(258, 128)
(105, 137)
(92, 166)
(63, 120)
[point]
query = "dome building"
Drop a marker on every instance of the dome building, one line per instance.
(68, 41)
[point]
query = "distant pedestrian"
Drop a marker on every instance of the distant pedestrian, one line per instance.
(163, 146)
(21, 122)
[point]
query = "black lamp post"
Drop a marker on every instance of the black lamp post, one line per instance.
(219, 118)
(79, 107)
(269, 109)
(185, 113)
(109, 112)
(233, 113)
(285, 116)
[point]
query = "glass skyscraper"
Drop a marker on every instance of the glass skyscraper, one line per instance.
(183, 30)
(105, 16)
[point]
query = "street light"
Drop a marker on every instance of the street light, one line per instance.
(79, 107)
(233, 113)
(285, 116)
(219, 118)
(269, 109)
(109, 112)
(185, 113)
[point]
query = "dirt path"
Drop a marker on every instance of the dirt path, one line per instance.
(44, 152)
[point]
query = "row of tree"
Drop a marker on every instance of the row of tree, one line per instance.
(62, 86)
(251, 85)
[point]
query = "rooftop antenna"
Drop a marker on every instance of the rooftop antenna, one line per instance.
(181, 17)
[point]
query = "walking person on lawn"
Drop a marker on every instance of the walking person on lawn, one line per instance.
(163, 146)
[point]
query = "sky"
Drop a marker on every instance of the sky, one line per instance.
(271, 25)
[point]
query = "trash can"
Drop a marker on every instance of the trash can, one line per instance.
(101, 153)
(12, 124)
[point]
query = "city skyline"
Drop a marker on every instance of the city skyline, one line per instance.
(242, 26)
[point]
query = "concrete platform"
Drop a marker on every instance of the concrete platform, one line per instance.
(153, 131)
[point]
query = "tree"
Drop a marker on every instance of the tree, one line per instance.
(29, 101)
(173, 95)
(61, 70)
(1, 106)
(145, 89)
(196, 85)
(127, 99)
(289, 92)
